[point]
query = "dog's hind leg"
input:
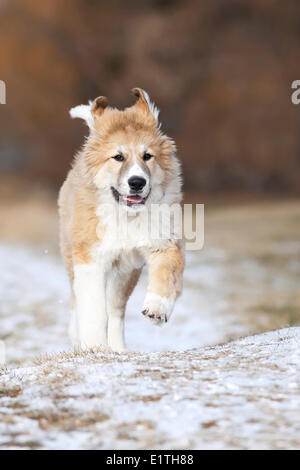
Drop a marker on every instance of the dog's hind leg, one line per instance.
(118, 289)
(165, 281)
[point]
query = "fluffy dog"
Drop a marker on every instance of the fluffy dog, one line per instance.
(126, 166)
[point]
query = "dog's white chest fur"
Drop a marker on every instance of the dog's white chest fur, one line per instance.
(127, 232)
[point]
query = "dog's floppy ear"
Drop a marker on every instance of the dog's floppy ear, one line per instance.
(99, 105)
(143, 102)
(90, 112)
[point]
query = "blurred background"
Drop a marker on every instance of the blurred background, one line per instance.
(221, 73)
(219, 70)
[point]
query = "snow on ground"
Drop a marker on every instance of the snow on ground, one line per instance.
(35, 309)
(242, 395)
(177, 388)
(34, 306)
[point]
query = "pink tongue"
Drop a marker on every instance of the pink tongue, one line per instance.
(134, 198)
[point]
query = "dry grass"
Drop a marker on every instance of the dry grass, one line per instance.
(238, 395)
(98, 398)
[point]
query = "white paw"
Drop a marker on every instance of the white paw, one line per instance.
(157, 309)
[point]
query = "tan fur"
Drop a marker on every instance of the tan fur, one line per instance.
(79, 223)
(165, 271)
(130, 127)
(81, 228)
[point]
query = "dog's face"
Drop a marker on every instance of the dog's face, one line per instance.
(127, 155)
(130, 168)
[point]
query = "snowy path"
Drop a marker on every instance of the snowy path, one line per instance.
(176, 389)
(34, 306)
(242, 395)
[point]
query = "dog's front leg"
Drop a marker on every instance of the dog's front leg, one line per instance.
(165, 281)
(90, 308)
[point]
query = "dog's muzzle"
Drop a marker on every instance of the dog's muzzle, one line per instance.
(130, 199)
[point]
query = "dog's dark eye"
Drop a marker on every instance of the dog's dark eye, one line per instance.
(119, 158)
(147, 156)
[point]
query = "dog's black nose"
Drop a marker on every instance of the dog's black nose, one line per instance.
(136, 183)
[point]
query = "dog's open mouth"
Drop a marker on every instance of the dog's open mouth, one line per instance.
(130, 200)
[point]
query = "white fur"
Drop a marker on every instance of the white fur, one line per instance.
(83, 111)
(136, 170)
(98, 318)
(128, 231)
(158, 306)
(116, 281)
(153, 109)
(90, 322)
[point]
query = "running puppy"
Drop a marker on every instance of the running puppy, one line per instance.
(125, 166)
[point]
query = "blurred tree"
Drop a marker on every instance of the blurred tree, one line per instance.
(219, 70)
